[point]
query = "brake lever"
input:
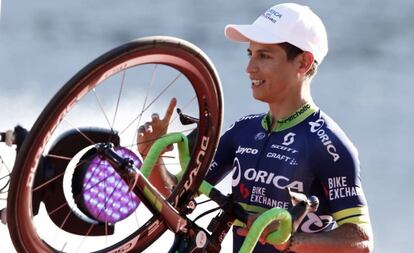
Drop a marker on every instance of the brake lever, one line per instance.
(186, 119)
(301, 207)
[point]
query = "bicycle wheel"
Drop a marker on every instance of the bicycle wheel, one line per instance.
(117, 91)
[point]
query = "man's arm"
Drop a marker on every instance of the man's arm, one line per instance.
(341, 173)
(349, 237)
(160, 177)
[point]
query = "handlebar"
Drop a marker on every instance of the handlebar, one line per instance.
(15, 136)
(280, 236)
(289, 220)
(2, 137)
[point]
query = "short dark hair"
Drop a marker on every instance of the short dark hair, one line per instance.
(293, 51)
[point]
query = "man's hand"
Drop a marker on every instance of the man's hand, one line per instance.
(151, 131)
(148, 133)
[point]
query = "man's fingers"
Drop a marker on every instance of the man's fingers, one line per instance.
(170, 110)
(141, 132)
(155, 118)
(242, 231)
(148, 127)
(141, 129)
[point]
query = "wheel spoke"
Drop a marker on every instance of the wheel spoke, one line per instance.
(121, 88)
(152, 102)
(49, 181)
(101, 107)
(147, 92)
(79, 131)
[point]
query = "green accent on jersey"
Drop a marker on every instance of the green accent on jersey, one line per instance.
(355, 215)
(300, 115)
(253, 209)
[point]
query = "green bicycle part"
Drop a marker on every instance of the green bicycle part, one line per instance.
(158, 147)
(183, 154)
(280, 236)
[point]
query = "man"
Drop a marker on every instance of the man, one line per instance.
(294, 144)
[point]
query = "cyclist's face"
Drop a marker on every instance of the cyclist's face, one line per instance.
(273, 77)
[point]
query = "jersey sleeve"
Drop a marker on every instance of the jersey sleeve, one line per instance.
(337, 166)
(221, 165)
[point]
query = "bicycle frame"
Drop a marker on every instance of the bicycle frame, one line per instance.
(221, 224)
(175, 219)
(196, 238)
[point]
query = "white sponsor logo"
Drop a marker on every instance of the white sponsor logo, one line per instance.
(260, 136)
(259, 196)
(241, 150)
(291, 150)
(264, 177)
(338, 188)
(278, 181)
(281, 157)
(316, 223)
(278, 156)
(236, 173)
(288, 139)
(316, 127)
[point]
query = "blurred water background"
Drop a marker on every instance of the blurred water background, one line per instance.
(363, 83)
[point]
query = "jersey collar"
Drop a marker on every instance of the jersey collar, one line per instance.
(295, 118)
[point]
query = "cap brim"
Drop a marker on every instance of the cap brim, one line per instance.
(246, 33)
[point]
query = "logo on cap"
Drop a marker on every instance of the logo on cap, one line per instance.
(272, 15)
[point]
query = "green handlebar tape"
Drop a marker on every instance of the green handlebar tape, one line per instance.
(280, 236)
(159, 145)
(183, 153)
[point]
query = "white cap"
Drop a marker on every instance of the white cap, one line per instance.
(289, 22)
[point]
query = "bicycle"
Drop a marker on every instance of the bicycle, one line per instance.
(107, 180)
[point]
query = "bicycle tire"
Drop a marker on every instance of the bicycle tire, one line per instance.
(170, 51)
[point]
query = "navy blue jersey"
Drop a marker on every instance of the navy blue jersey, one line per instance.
(306, 152)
